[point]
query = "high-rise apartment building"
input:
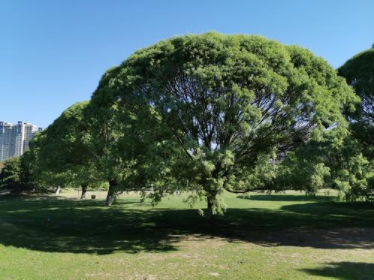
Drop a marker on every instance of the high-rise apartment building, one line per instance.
(15, 138)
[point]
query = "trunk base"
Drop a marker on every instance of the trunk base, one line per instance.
(210, 214)
(111, 193)
(84, 191)
(58, 190)
(109, 201)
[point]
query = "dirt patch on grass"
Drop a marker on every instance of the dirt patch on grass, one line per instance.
(360, 239)
(341, 238)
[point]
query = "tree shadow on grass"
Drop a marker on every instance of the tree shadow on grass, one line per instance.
(344, 270)
(67, 225)
(284, 197)
(325, 225)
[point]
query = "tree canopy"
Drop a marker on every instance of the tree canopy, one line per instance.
(15, 176)
(359, 72)
(60, 156)
(218, 109)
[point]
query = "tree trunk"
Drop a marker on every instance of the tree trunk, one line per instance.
(211, 216)
(111, 193)
(84, 190)
(58, 189)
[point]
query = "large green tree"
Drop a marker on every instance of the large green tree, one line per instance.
(115, 139)
(219, 107)
(359, 72)
(225, 102)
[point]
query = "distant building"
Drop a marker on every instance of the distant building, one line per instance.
(15, 138)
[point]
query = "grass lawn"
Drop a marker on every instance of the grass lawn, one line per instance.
(286, 236)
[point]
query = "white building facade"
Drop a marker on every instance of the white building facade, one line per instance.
(15, 138)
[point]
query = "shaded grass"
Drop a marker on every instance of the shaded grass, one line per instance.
(56, 225)
(344, 270)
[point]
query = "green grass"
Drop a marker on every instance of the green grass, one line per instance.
(287, 236)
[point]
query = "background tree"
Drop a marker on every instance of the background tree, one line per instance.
(334, 162)
(60, 156)
(15, 176)
(359, 72)
(45, 180)
(221, 106)
(11, 175)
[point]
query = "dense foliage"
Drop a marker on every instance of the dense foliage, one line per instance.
(221, 106)
(359, 72)
(59, 156)
(335, 162)
(15, 176)
(116, 140)
(207, 114)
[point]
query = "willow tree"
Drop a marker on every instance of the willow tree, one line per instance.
(359, 72)
(223, 106)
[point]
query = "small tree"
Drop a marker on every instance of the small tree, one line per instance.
(11, 177)
(15, 176)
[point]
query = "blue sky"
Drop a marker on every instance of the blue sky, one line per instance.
(53, 53)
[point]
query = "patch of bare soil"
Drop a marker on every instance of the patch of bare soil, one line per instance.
(340, 238)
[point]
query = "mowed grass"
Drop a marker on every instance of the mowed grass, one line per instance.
(283, 236)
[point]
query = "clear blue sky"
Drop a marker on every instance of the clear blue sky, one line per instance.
(53, 53)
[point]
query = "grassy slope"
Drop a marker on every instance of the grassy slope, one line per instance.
(269, 237)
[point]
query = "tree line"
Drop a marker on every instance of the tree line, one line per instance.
(212, 113)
